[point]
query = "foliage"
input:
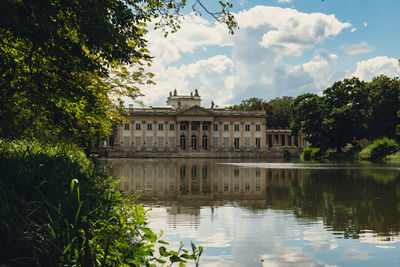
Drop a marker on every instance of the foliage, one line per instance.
(247, 103)
(384, 108)
(65, 66)
(312, 153)
(308, 116)
(58, 209)
(379, 149)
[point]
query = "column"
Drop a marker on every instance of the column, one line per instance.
(143, 135)
(231, 128)
(132, 127)
(177, 137)
(155, 131)
(189, 138)
(252, 139)
(212, 148)
(220, 140)
(286, 140)
(200, 137)
(241, 141)
(279, 140)
(292, 137)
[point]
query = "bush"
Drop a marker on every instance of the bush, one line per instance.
(59, 209)
(312, 153)
(379, 149)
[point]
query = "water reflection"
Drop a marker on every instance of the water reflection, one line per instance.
(287, 213)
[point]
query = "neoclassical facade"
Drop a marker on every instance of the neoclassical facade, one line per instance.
(186, 129)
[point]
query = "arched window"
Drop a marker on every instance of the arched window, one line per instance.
(204, 143)
(194, 142)
(183, 142)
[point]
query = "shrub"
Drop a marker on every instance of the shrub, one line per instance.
(379, 149)
(312, 153)
(58, 209)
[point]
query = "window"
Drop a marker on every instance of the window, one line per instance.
(137, 126)
(183, 142)
(149, 127)
(258, 143)
(215, 141)
(161, 126)
(126, 142)
(160, 142)
(237, 127)
(226, 142)
(215, 127)
(126, 127)
(236, 143)
(258, 127)
(149, 142)
(194, 127)
(138, 142)
(247, 127)
(172, 127)
(247, 142)
(205, 143)
(183, 127)
(172, 143)
(194, 142)
(226, 127)
(205, 127)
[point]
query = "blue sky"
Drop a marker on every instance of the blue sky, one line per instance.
(283, 47)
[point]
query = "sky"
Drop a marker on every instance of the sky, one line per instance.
(282, 48)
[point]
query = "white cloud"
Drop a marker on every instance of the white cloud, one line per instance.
(370, 68)
(255, 67)
(284, 1)
(322, 68)
(354, 49)
(353, 29)
(365, 24)
(288, 31)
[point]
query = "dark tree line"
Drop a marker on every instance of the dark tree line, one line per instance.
(348, 111)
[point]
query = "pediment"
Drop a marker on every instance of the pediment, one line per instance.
(195, 111)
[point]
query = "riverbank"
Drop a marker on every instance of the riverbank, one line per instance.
(380, 150)
(59, 208)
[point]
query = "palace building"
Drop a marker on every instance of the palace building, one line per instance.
(186, 129)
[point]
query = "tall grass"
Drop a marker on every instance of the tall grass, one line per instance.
(57, 208)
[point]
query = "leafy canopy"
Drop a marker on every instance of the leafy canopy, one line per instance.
(65, 66)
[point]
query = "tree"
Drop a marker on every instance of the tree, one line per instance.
(308, 117)
(385, 104)
(66, 65)
(346, 104)
(247, 104)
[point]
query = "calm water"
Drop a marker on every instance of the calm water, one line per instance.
(248, 213)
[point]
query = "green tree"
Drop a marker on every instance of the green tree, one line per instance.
(308, 117)
(66, 65)
(346, 104)
(247, 104)
(385, 105)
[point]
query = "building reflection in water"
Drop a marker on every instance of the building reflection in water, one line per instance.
(350, 199)
(194, 178)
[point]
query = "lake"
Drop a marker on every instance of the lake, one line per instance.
(259, 213)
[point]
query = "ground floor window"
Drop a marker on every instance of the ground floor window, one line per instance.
(194, 142)
(183, 142)
(127, 141)
(215, 142)
(247, 142)
(149, 142)
(172, 142)
(204, 143)
(160, 142)
(226, 143)
(258, 143)
(138, 143)
(236, 143)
